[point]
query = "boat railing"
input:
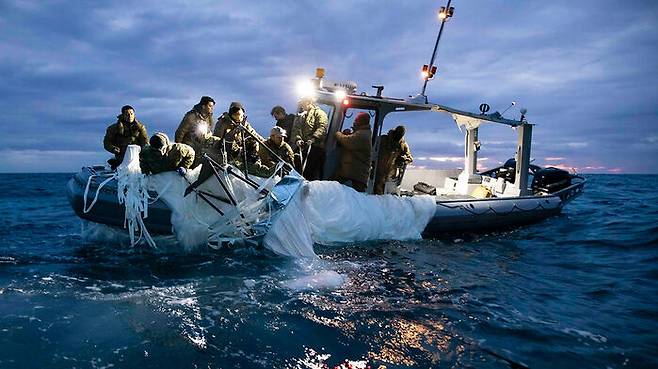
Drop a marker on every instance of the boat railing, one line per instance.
(574, 190)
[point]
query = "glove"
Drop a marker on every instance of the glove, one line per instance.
(181, 171)
(401, 161)
(299, 143)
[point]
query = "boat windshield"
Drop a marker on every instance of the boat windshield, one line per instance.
(351, 113)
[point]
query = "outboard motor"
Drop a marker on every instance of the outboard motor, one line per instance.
(550, 180)
(508, 170)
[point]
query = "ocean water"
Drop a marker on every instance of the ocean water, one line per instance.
(575, 291)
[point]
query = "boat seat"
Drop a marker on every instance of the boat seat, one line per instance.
(499, 187)
(424, 188)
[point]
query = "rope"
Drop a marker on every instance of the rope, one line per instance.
(86, 209)
(160, 192)
(492, 210)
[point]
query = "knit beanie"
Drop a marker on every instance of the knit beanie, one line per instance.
(234, 107)
(362, 120)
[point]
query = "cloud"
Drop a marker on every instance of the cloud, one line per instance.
(587, 79)
(452, 159)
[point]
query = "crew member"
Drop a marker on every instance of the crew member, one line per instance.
(161, 156)
(195, 130)
(308, 133)
(230, 128)
(394, 153)
(283, 120)
(126, 131)
(254, 164)
(356, 147)
(277, 144)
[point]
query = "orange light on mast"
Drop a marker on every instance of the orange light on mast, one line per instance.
(432, 71)
(428, 72)
(425, 72)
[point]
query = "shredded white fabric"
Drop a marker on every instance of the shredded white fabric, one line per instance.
(132, 192)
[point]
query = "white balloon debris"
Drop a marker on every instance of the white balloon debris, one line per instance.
(286, 215)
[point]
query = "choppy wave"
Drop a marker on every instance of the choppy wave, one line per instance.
(574, 291)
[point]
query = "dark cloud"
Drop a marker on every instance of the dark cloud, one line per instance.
(585, 70)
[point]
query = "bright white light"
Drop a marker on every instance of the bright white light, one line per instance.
(340, 94)
(202, 128)
(442, 15)
(424, 74)
(305, 89)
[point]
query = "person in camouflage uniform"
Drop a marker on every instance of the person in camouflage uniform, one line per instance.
(277, 144)
(394, 153)
(196, 129)
(310, 130)
(355, 152)
(126, 131)
(284, 121)
(161, 156)
(229, 129)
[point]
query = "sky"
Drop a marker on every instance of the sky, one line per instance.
(587, 71)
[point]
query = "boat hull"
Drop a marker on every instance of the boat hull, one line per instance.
(107, 209)
(489, 214)
(498, 213)
(450, 216)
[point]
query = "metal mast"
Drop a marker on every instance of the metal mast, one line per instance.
(429, 70)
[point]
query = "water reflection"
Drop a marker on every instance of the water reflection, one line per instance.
(403, 342)
(181, 302)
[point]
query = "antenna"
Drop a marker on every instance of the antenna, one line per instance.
(429, 70)
(513, 103)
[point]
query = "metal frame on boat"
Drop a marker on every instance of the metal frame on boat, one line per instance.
(467, 200)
